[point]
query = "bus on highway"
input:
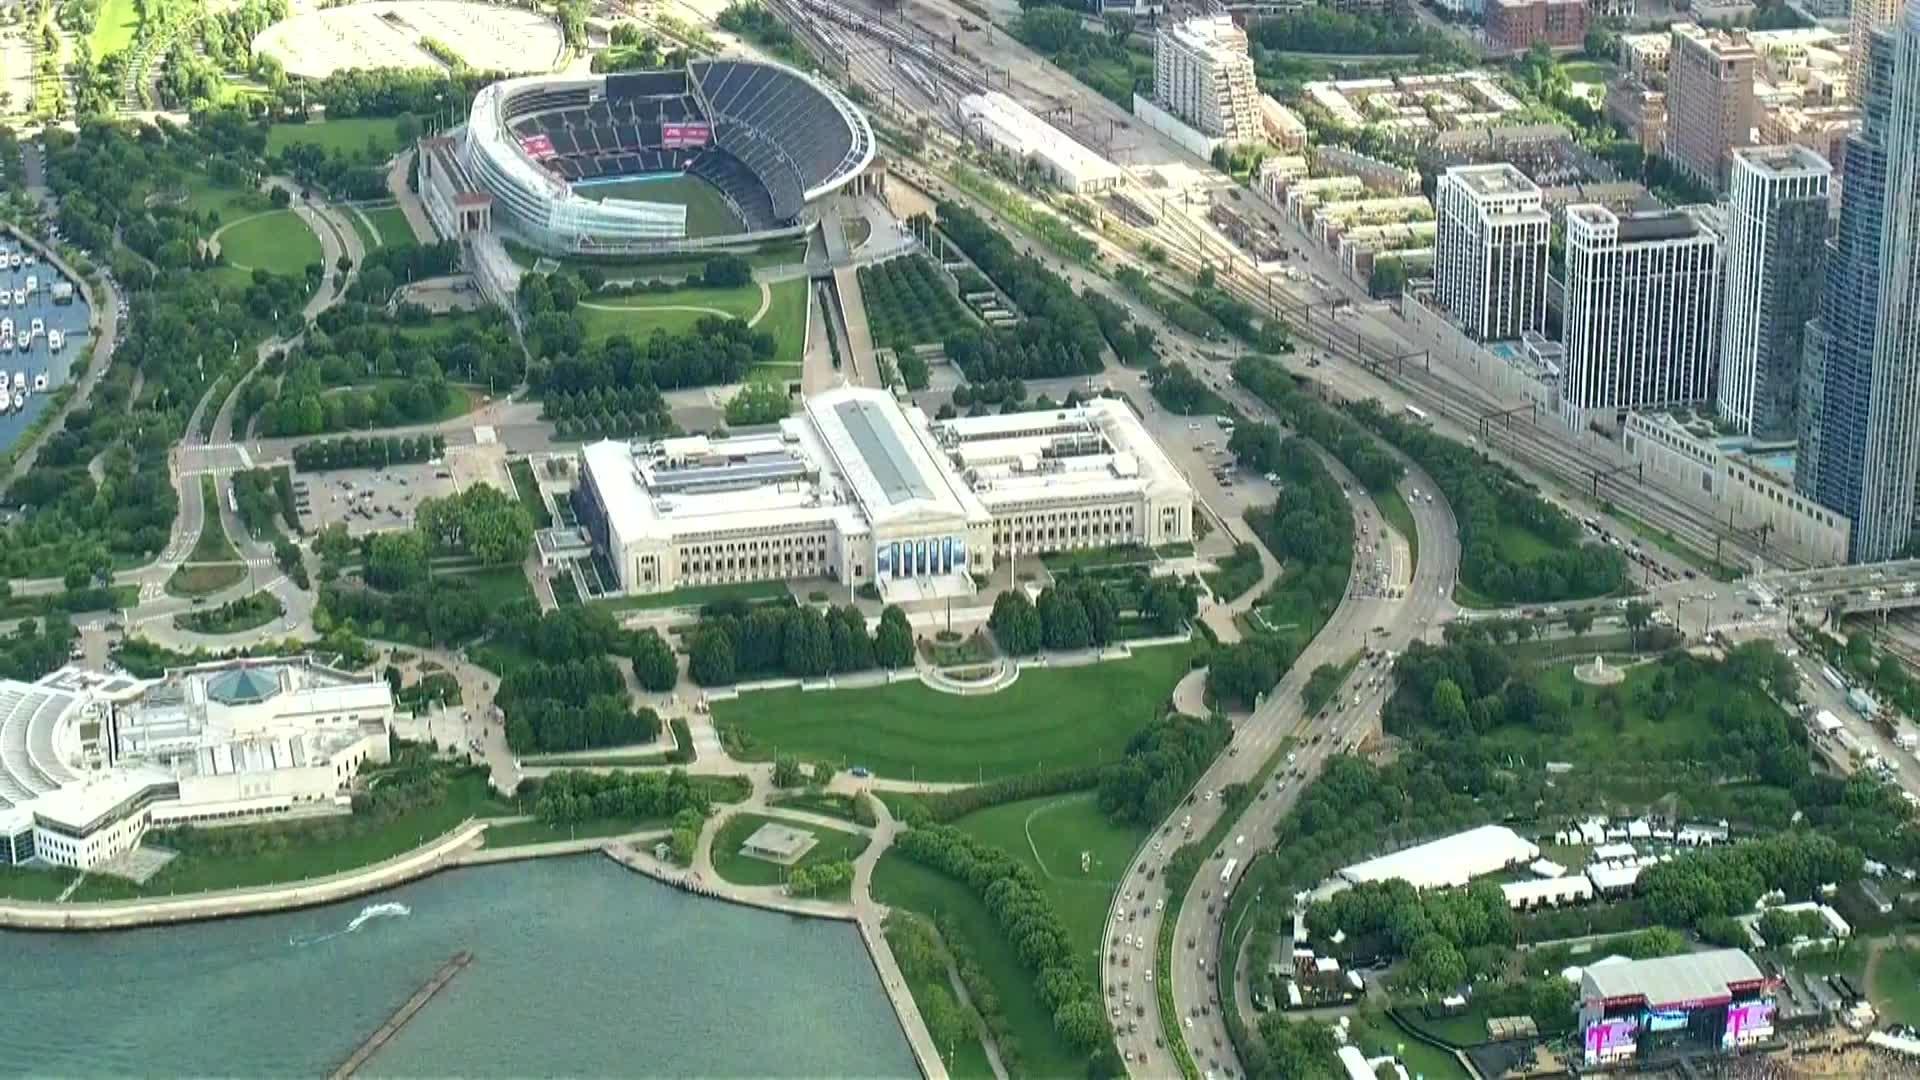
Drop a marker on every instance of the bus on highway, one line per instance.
(1418, 415)
(1226, 873)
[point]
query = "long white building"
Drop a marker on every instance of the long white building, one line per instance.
(1203, 75)
(858, 489)
(1490, 251)
(1641, 312)
(1776, 245)
(1012, 129)
(89, 762)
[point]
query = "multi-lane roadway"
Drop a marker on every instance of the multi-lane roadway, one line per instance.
(1278, 726)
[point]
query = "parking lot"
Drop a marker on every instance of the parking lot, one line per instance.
(369, 500)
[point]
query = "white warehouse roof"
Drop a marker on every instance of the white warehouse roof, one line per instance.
(1450, 861)
(1013, 127)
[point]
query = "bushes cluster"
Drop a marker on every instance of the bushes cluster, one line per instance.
(908, 304)
(1058, 336)
(571, 705)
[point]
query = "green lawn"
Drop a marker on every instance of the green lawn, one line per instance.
(114, 29)
(707, 211)
(346, 135)
(500, 585)
(665, 267)
(36, 885)
(391, 222)
(696, 596)
(368, 239)
(786, 320)
(1049, 719)
(1589, 71)
(968, 1059)
(224, 203)
(204, 580)
(539, 832)
(903, 884)
(741, 302)
(358, 844)
(1521, 546)
(1049, 834)
(1393, 508)
(278, 241)
(819, 802)
(1895, 986)
(1376, 1034)
(730, 863)
(212, 545)
(529, 490)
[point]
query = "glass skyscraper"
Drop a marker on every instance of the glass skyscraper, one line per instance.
(1863, 420)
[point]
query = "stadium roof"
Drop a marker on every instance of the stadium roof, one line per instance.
(1670, 980)
(1449, 861)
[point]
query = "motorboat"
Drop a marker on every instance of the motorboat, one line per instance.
(39, 327)
(55, 340)
(6, 400)
(19, 298)
(26, 343)
(15, 261)
(19, 381)
(33, 284)
(40, 383)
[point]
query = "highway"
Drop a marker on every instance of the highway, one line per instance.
(1357, 623)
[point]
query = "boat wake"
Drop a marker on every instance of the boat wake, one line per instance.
(367, 915)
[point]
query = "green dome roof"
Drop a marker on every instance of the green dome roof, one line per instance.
(242, 686)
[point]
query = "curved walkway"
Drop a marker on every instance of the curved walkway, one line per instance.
(411, 866)
(766, 303)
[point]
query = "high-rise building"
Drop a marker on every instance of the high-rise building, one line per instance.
(1775, 255)
(1490, 251)
(1641, 306)
(1203, 75)
(1710, 102)
(1865, 17)
(1864, 428)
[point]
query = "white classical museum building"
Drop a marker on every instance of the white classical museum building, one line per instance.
(89, 762)
(859, 489)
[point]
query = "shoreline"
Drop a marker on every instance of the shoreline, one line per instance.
(452, 851)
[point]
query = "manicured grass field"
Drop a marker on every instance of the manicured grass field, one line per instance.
(741, 303)
(539, 832)
(368, 239)
(601, 324)
(225, 203)
(346, 135)
(114, 30)
(499, 586)
(212, 546)
(665, 267)
(1521, 546)
(529, 489)
(707, 211)
(35, 885)
(786, 320)
(730, 863)
(1050, 719)
(696, 596)
(1589, 71)
(900, 883)
(1895, 986)
(278, 241)
(391, 222)
(467, 796)
(1049, 834)
(204, 580)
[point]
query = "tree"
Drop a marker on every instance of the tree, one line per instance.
(786, 772)
(1449, 707)
(1579, 621)
(1015, 623)
(711, 661)
(726, 272)
(653, 662)
(1639, 614)
(893, 642)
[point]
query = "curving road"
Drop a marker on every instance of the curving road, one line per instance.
(1356, 623)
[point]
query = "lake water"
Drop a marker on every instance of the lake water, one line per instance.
(580, 967)
(70, 319)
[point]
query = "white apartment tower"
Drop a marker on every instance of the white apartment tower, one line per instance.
(1775, 258)
(1642, 299)
(1203, 75)
(1490, 251)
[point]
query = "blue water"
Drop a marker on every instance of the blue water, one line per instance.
(580, 968)
(69, 318)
